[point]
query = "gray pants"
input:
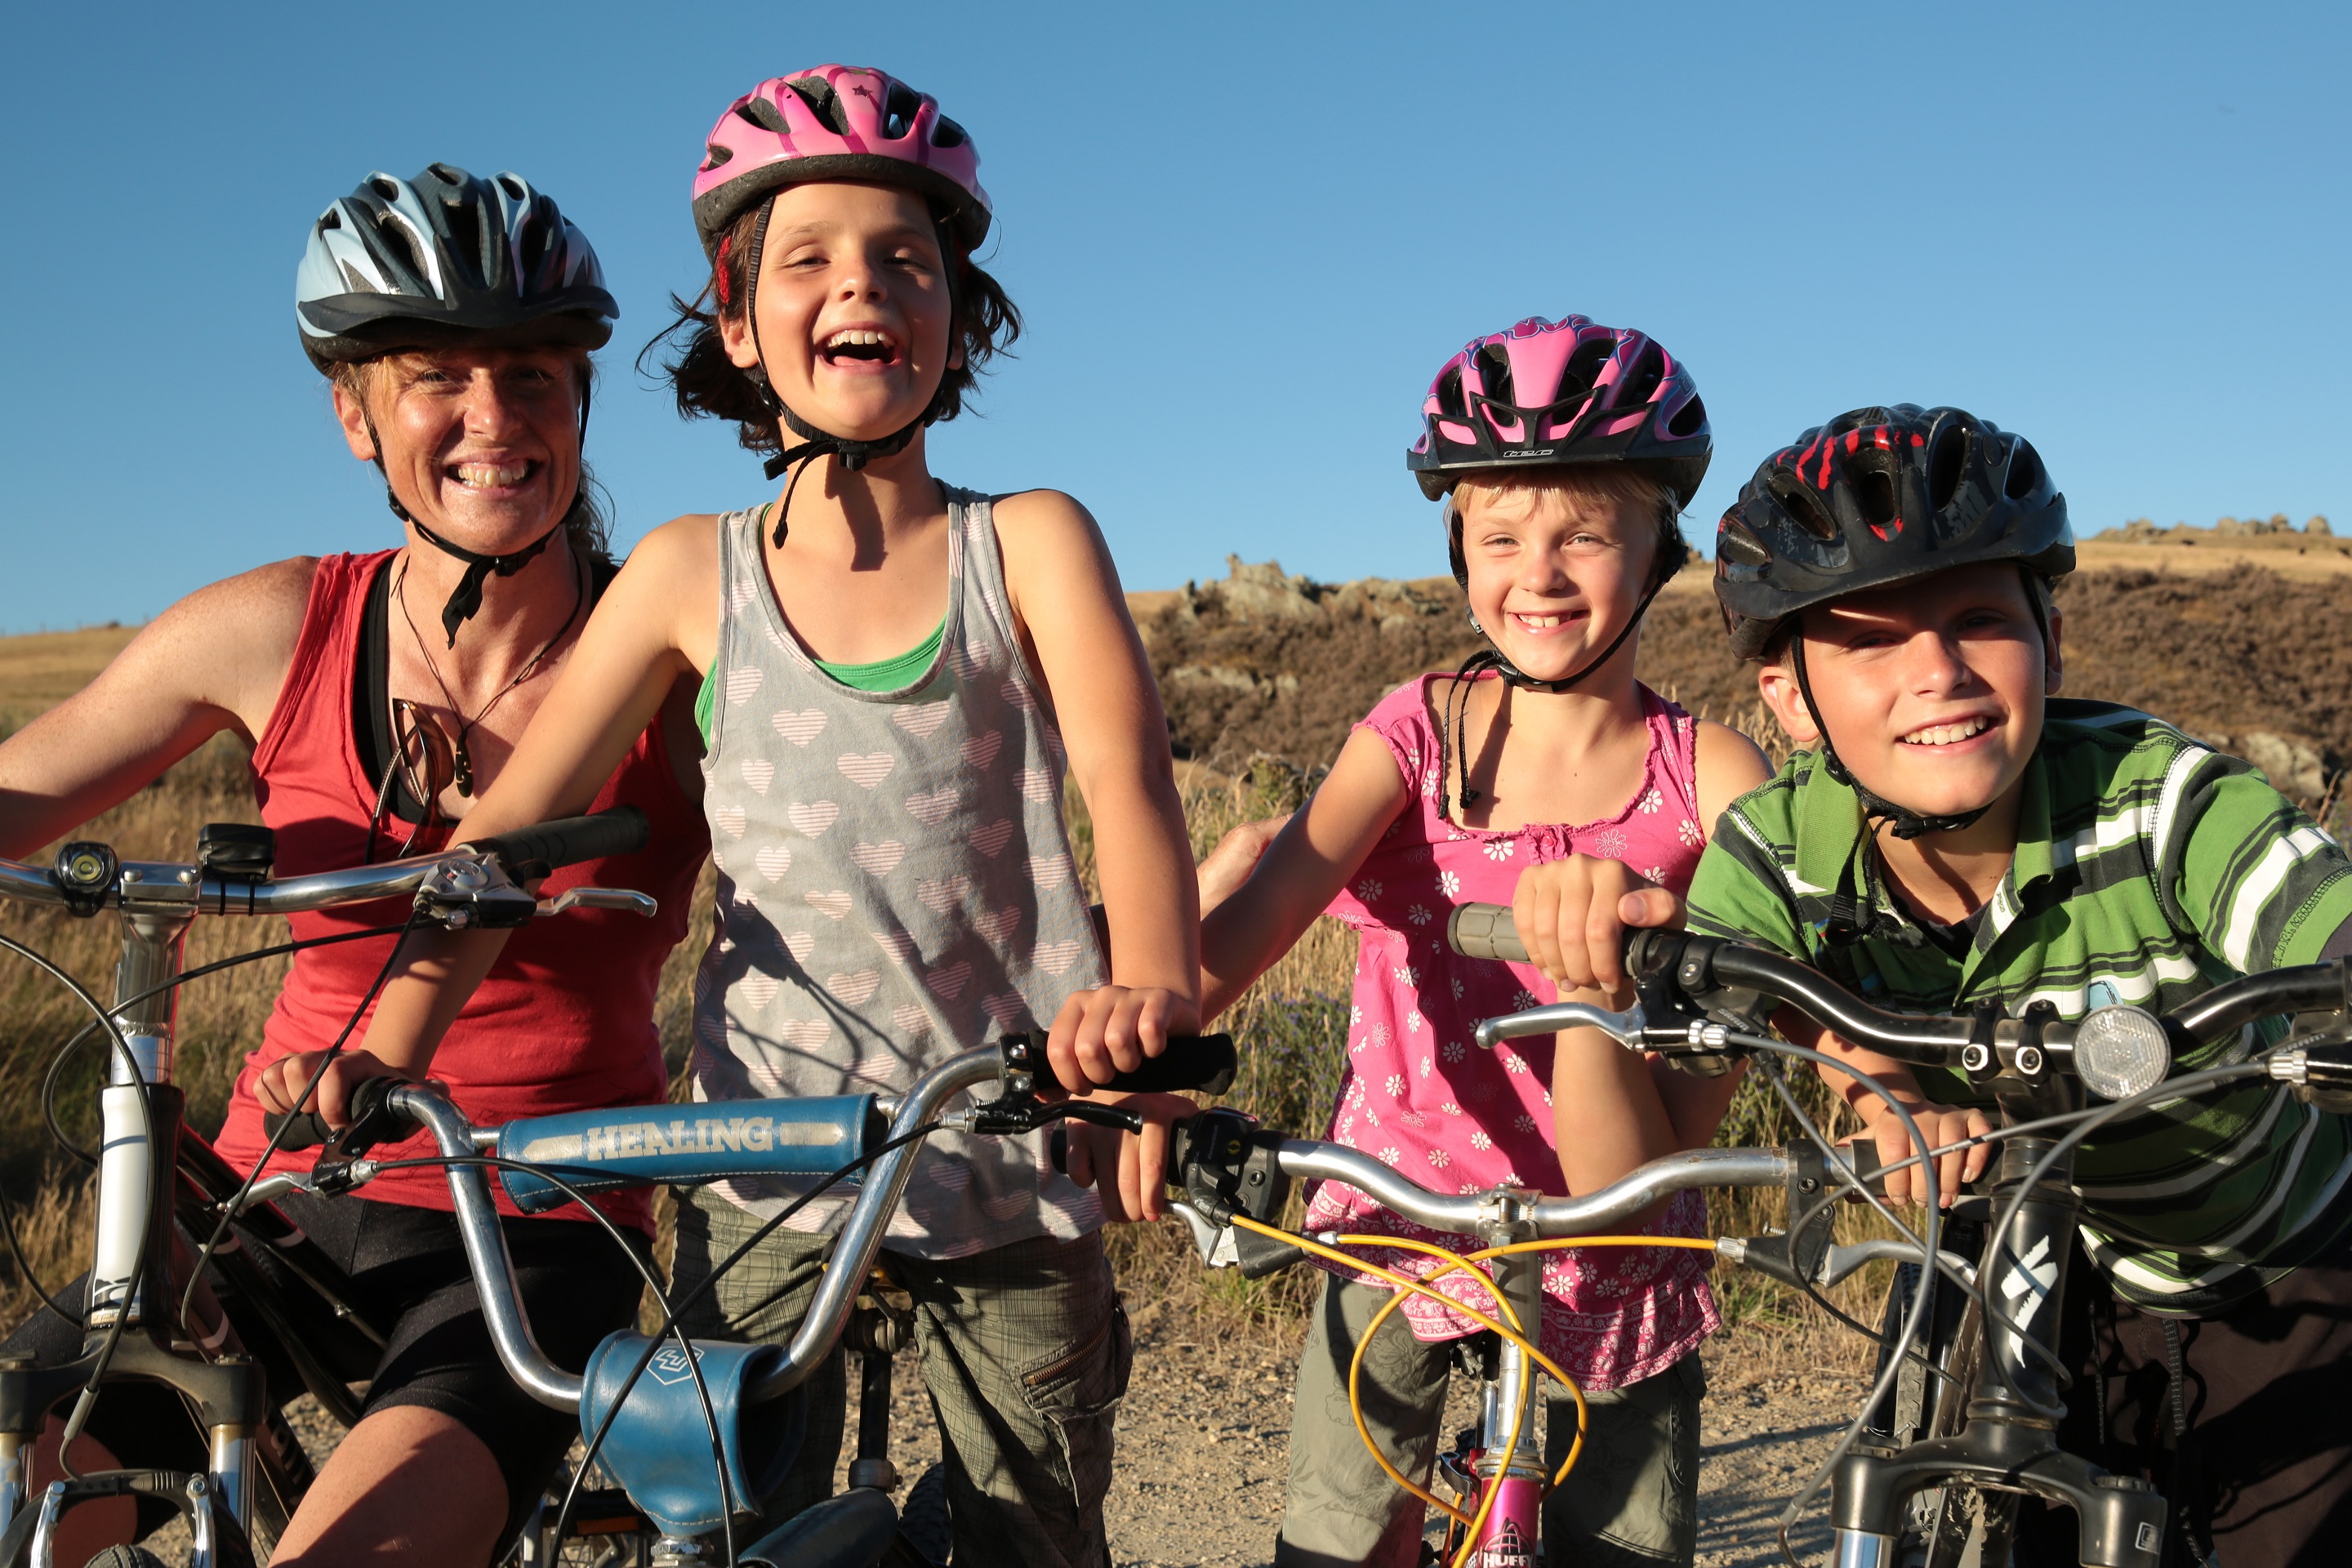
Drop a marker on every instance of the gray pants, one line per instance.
(1632, 1499)
(1025, 1352)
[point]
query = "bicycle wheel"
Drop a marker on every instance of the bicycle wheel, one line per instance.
(925, 1533)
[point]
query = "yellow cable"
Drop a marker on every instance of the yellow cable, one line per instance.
(1464, 1264)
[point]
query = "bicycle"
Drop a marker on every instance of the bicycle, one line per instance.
(1963, 1408)
(163, 1190)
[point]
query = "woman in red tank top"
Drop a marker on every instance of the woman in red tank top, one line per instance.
(364, 683)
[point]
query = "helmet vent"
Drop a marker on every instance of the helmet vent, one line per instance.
(385, 186)
(403, 244)
(1495, 375)
(465, 222)
(1797, 500)
(900, 111)
(1948, 459)
(1874, 489)
(356, 281)
(714, 155)
(823, 102)
(1735, 542)
(1583, 367)
(765, 115)
(2025, 470)
(515, 189)
(1688, 420)
(1642, 380)
(1449, 395)
(530, 248)
(445, 173)
(946, 132)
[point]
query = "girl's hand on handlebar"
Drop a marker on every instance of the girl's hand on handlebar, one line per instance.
(1940, 1124)
(280, 1085)
(1109, 1030)
(1572, 915)
(1126, 1168)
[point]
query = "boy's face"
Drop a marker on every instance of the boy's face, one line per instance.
(1932, 690)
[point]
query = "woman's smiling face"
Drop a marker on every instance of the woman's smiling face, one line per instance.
(1555, 572)
(854, 322)
(1933, 691)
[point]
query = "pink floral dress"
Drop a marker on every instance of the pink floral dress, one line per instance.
(1420, 1096)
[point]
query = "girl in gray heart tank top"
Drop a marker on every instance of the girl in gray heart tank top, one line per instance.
(895, 886)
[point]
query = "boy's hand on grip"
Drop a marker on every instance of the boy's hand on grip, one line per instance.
(1125, 1169)
(1940, 1125)
(1572, 915)
(1100, 1034)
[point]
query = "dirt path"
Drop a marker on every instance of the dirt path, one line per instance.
(1204, 1439)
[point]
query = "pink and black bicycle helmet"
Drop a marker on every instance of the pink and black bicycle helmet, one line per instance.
(1561, 392)
(837, 123)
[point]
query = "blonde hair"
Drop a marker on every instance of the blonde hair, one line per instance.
(1633, 487)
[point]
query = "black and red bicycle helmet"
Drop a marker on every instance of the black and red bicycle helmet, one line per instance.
(1879, 496)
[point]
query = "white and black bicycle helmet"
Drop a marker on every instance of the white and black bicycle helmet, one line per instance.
(404, 263)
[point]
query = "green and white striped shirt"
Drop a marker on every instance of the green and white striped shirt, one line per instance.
(2149, 868)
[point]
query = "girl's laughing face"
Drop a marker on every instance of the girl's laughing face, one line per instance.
(853, 314)
(1555, 571)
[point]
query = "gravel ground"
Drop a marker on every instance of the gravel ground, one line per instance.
(1204, 1437)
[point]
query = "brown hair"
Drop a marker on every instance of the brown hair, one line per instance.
(1630, 485)
(707, 382)
(583, 525)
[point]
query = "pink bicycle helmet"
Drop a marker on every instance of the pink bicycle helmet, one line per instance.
(1561, 392)
(837, 122)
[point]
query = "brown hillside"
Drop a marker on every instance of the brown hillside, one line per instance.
(2255, 660)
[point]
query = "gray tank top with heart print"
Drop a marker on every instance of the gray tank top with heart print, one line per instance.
(895, 886)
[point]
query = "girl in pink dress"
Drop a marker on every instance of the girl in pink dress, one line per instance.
(1544, 776)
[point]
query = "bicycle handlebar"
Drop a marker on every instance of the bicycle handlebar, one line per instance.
(1698, 992)
(623, 830)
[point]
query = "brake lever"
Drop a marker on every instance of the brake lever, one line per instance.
(626, 900)
(1018, 1113)
(474, 895)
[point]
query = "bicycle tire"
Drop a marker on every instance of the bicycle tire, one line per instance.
(925, 1530)
(125, 1557)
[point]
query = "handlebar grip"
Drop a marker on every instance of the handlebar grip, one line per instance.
(1485, 930)
(623, 830)
(1203, 1062)
(304, 1129)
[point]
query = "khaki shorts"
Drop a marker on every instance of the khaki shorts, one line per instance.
(1025, 1352)
(1632, 1499)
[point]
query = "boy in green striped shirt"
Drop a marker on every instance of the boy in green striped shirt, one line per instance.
(1890, 572)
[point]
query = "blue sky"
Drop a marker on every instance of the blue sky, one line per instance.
(1244, 237)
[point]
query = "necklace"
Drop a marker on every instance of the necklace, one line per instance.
(464, 757)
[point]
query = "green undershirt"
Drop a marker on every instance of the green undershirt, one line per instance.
(882, 675)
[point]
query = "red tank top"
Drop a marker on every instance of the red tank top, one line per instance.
(565, 1022)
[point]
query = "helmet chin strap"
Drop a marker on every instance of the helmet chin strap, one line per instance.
(465, 600)
(853, 455)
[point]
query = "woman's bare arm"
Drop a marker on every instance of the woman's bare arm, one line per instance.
(214, 661)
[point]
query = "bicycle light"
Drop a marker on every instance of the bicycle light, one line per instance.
(2121, 1051)
(86, 873)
